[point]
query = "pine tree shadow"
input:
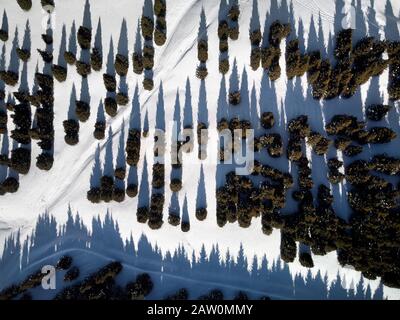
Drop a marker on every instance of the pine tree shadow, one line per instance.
(87, 16)
(72, 41)
(96, 171)
(108, 169)
(63, 47)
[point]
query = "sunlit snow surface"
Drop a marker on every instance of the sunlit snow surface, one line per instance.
(175, 65)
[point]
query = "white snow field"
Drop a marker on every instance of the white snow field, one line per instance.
(68, 181)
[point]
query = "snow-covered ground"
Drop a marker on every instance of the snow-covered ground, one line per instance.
(175, 65)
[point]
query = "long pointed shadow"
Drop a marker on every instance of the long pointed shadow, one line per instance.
(254, 112)
(160, 126)
(300, 36)
(72, 41)
(100, 116)
(110, 69)
(177, 126)
(187, 108)
(340, 15)
(202, 33)
(24, 85)
(373, 25)
(135, 116)
(174, 206)
(72, 104)
(222, 108)
(265, 34)
(108, 169)
(85, 93)
(255, 18)
(14, 60)
(176, 172)
(123, 86)
(98, 42)
(360, 23)
(132, 176)
(148, 9)
(234, 78)
(160, 111)
(321, 38)
(202, 110)
(292, 22)
(63, 47)
(123, 40)
(284, 12)
(144, 189)
(26, 42)
(49, 241)
(312, 44)
(87, 16)
(331, 46)
(201, 200)
(223, 11)
(146, 126)
(4, 22)
(121, 148)
(137, 48)
(96, 171)
(244, 111)
(185, 211)
(222, 113)
(391, 29)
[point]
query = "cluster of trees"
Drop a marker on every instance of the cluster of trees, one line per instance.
(270, 55)
(375, 222)
(228, 27)
(240, 200)
(102, 285)
(155, 212)
(44, 129)
(348, 129)
(212, 295)
(143, 59)
(354, 66)
(272, 142)
(297, 63)
(34, 280)
(108, 190)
